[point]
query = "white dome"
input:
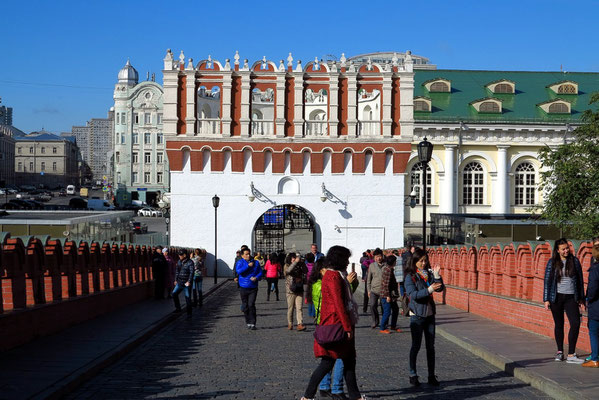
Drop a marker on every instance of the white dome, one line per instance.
(128, 74)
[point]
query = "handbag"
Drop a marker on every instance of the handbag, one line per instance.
(326, 335)
(296, 286)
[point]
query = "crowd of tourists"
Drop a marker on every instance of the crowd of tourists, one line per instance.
(394, 283)
(177, 270)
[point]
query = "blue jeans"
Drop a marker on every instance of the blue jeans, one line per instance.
(594, 336)
(420, 326)
(178, 289)
(337, 372)
(402, 289)
(311, 309)
(389, 310)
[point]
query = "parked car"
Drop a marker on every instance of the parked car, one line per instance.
(62, 193)
(12, 191)
(157, 213)
(43, 197)
(145, 212)
(71, 190)
(2, 192)
(138, 227)
(22, 204)
(36, 205)
(27, 188)
(10, 206)
(77, 203)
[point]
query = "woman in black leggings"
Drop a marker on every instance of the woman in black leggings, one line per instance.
(564, 291)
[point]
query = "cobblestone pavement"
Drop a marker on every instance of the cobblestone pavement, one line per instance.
(215, 356)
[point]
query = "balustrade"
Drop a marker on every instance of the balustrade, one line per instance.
(315, 128)
(369, 128)
(263, 128)
(209, 126)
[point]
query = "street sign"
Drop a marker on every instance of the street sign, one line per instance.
(142, 189)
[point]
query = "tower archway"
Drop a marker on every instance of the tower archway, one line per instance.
(285, 228)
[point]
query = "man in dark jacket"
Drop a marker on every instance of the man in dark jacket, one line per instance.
(183, 278)
(593, 307)
(158, 272)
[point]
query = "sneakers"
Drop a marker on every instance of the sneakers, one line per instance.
(325, 393)
(397, 330)
(386, 331)
(559, 356)
(300, 327)
(432, 380)
(414, 381)
(573, 359)
(591, 364)
(251, 327)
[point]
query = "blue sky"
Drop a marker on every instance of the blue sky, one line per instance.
(60, 58)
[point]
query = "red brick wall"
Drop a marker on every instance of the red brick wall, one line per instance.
(504, 284)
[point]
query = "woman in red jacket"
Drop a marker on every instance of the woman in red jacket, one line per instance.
(337, 307)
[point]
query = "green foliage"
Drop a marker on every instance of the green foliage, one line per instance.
(570, 179)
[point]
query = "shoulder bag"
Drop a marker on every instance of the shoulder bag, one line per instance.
(327, 335)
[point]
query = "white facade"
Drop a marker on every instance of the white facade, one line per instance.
(366, 214)
(140, 162)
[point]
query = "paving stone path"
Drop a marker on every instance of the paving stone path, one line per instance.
(214, 356)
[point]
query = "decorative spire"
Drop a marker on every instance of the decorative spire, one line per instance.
(246, 66)
(236, 57)
(282, 66)
(209, 62)
(316, 66)
(343, 60)
(182, 58)
(369, 64)
(299, 66)
(190, 63)
(264, 63)
(290, 61)
(227, 65)
(394, 60)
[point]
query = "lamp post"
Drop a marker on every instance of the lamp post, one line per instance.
(425, 153)
(215, 203)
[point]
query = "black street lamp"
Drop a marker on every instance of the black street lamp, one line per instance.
(215, 203)
(425, 153)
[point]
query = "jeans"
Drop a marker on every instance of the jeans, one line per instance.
(389, 310)
(248, 304)
(594, 336)
(325, 366)
(337, 372)
(402, 289)
(374, 308)
(420, 326)
(198, 296)
(272, 282)
(178, 289)
(565, 302)
(311, 309)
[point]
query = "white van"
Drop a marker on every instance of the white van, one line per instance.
(71, 189)
(99, 205)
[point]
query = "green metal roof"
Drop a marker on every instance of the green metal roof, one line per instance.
(521, 107)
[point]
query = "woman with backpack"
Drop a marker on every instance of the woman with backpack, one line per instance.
(564, 291)
(420, 283)
(337, 308)
(295, 272)
(273, 269)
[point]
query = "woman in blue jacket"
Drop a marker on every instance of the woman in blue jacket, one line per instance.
(564, 291)
(420, 282)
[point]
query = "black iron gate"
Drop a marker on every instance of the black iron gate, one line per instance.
(284, 228)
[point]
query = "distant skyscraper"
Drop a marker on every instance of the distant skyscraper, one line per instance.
(5, 115)
(95, 142)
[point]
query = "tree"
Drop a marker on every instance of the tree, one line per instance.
(570, 179)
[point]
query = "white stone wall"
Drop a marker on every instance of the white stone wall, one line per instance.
(373, 216)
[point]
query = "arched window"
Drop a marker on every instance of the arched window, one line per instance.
(525, 184)
(473, 184)
(566, 89)
(439, 87)
(489, 107)
(558, 108)
(420, 105)
(504, 88)
(417, 182)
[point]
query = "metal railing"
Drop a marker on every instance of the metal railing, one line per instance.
(369, 128)
(315, 128)
(263, 128)
(209, 126)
